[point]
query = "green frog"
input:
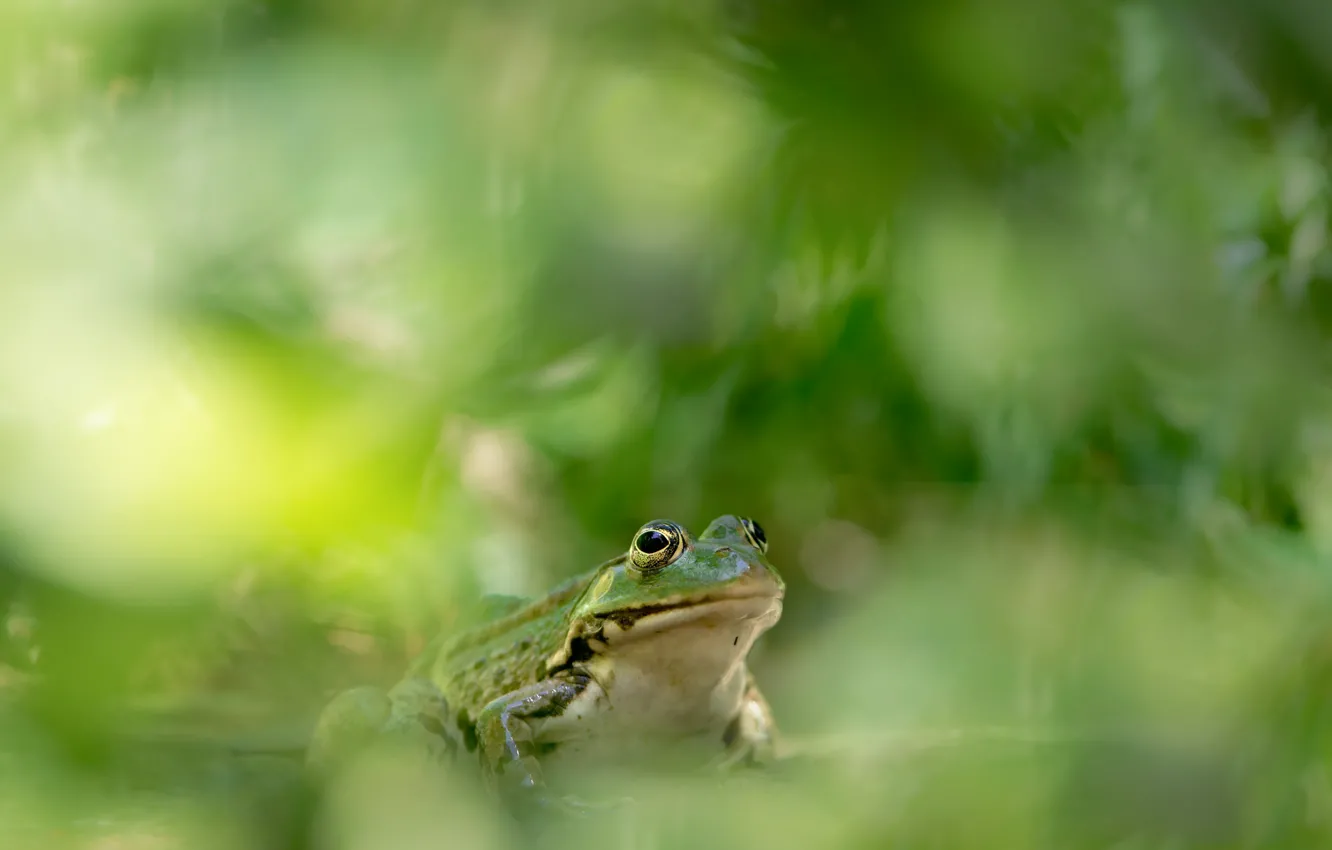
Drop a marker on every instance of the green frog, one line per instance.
(646, 653)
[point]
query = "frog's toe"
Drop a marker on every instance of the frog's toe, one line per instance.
(592, 806)
(568, 806)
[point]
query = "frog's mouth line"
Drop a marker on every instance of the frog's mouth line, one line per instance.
(749, 606)
(758, 609)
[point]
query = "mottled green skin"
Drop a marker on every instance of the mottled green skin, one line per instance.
(490, 660)
(490, 689)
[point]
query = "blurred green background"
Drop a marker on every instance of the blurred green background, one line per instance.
(1008, 321)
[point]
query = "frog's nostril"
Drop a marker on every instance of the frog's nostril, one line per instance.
(724, 551)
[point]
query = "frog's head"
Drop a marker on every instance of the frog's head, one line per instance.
(669, 580)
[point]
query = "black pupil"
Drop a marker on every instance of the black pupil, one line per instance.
(757, 530)
(651, 542)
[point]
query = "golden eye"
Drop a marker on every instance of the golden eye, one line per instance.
(754, 533)
(656, 546)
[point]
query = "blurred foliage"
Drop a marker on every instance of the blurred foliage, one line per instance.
(1009, 321)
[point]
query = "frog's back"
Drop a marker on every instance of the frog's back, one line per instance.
(507, 651)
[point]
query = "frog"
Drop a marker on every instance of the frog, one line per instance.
(646, 651)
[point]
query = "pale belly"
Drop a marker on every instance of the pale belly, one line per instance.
(646, 710)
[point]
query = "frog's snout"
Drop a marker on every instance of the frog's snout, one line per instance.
(755, 578)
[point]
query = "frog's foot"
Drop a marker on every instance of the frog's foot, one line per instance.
(740, 759)
(543, 803)
(522, 787)
(750, 739)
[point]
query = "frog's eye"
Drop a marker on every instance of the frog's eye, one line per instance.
(754, 533)
(657, 545)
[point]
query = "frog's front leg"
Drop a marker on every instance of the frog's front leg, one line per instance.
(751, 736)
(506, 734)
